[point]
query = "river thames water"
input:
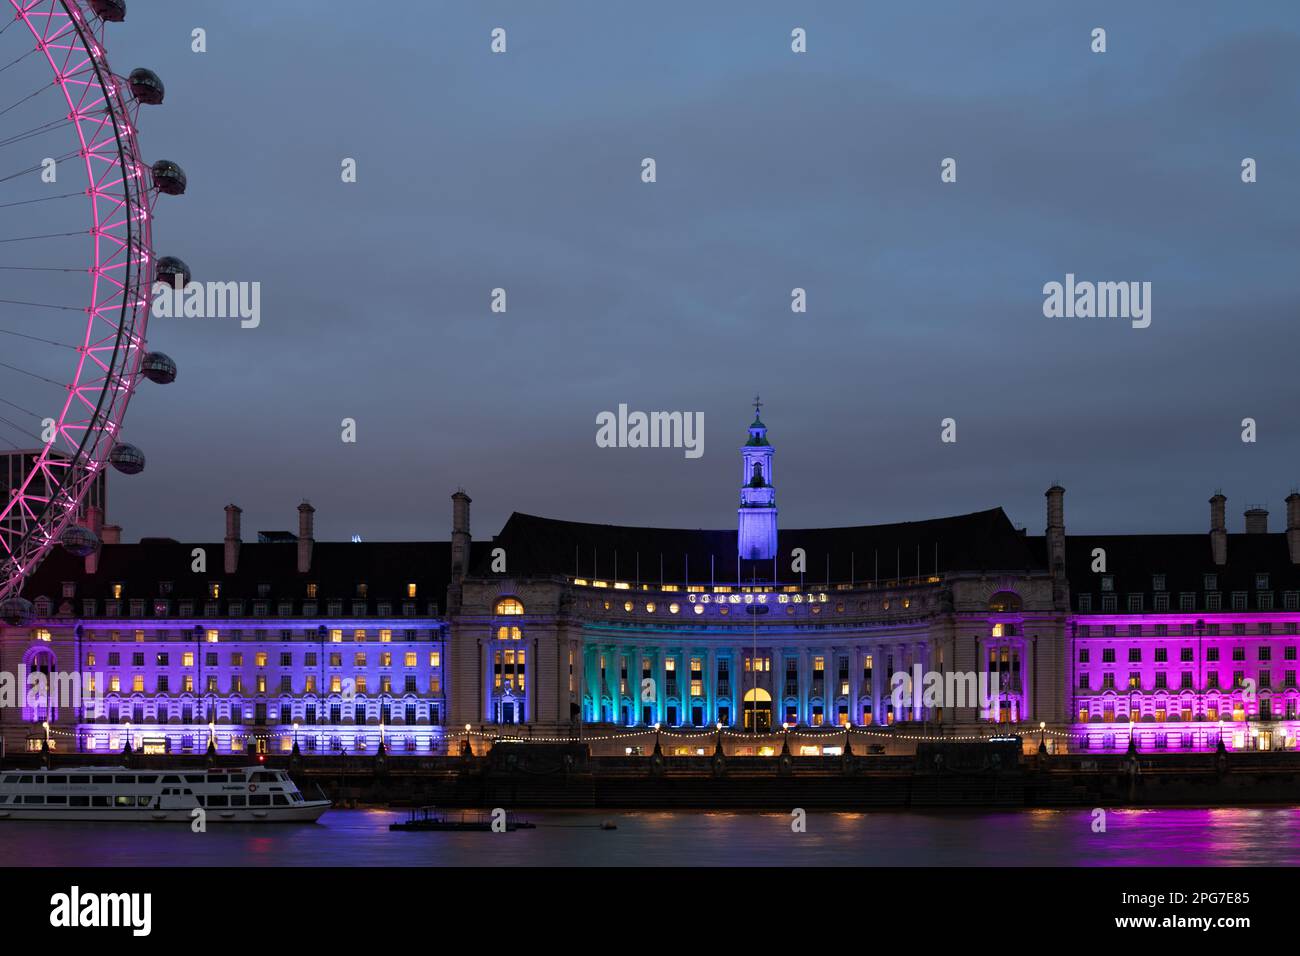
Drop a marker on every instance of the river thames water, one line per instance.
(1164, 837)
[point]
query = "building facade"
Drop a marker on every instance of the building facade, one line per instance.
(564, 629)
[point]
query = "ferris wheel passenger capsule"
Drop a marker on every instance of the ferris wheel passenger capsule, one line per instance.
(78, 540)
(172, 271)
(146, 86)
(16, 611)
(127, 459)
(158, 367)
(114, 11)
(169, 178)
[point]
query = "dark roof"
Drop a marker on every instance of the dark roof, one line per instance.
(1184, 559)
(981, 541)
(386, 568)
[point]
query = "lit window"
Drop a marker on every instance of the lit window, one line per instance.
(311, 591)
(385, 636)
(336, 636)
(137, 683)
(435, 659)
(117, 590)
(410, 659)
(505, 633)
(509, 606)
(410, 590)
(212, 636)
(214, 590)
(261, 658)
(359, 635)
(674, 608)
(336, 684)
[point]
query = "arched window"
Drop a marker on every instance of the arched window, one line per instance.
(509, 606)
(1005, 602)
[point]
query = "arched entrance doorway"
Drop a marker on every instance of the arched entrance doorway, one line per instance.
(758, 710)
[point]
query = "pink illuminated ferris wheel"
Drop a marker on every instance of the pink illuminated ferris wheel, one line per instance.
(76, 269)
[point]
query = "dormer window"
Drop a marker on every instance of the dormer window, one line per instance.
(214, 590)
(362, 590)
(1261, 582)
(1211, 582)
(1108, 582)
(69, 589)
(1157, 582)
(410, 590)
(164, 587)
(117, 590)
(263, 590)
(311, 590)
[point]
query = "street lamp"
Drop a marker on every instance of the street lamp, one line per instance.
(1042, 735)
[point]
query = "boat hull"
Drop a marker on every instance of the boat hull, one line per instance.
(308, 812)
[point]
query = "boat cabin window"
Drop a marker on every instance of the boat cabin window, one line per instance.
(238, 800)
(280, 800)
(171, 778)
(194, 778)
(125, 801)
(264, 776)
(79, 801)
(126, 780)
(151, 778)
(33, 798)
(79, 778)
(11, 778)
(216, 778)
(100, 801)
(218, 800)
(101, 778)
(260, 800)
(25, 778)
(56, 798)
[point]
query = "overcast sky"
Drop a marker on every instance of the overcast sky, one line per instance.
(775, 171)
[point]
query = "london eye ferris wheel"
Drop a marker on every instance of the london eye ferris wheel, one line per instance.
(76, 268)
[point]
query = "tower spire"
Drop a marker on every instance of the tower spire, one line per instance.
(756, 540)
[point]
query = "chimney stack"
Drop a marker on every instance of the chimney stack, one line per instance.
(1293, 526)
(112, 534)
(460, 536)
(1219, 528)
(232, 537)
(95, 522)
(305, 539)
(1056, 527)
(1257, 520)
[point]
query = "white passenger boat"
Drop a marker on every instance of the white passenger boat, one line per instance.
(229, 795)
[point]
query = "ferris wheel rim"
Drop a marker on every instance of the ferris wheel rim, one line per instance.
(68, 473)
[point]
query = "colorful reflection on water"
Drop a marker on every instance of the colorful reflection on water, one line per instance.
(1165, 837)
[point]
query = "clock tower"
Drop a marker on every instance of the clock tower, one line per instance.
(757, 538)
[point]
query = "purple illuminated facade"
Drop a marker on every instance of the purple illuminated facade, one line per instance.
(555, 628)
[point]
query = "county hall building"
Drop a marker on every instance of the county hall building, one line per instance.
(564, 629)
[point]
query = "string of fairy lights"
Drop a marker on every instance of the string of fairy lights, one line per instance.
(650, 731)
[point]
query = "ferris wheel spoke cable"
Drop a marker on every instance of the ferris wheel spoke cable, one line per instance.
(22, 431)
(37, 338)
(43, 305)
(26, 411)
(32, 169)
(35, 131)
(48, 235)
(24, 371)
(37, 92)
